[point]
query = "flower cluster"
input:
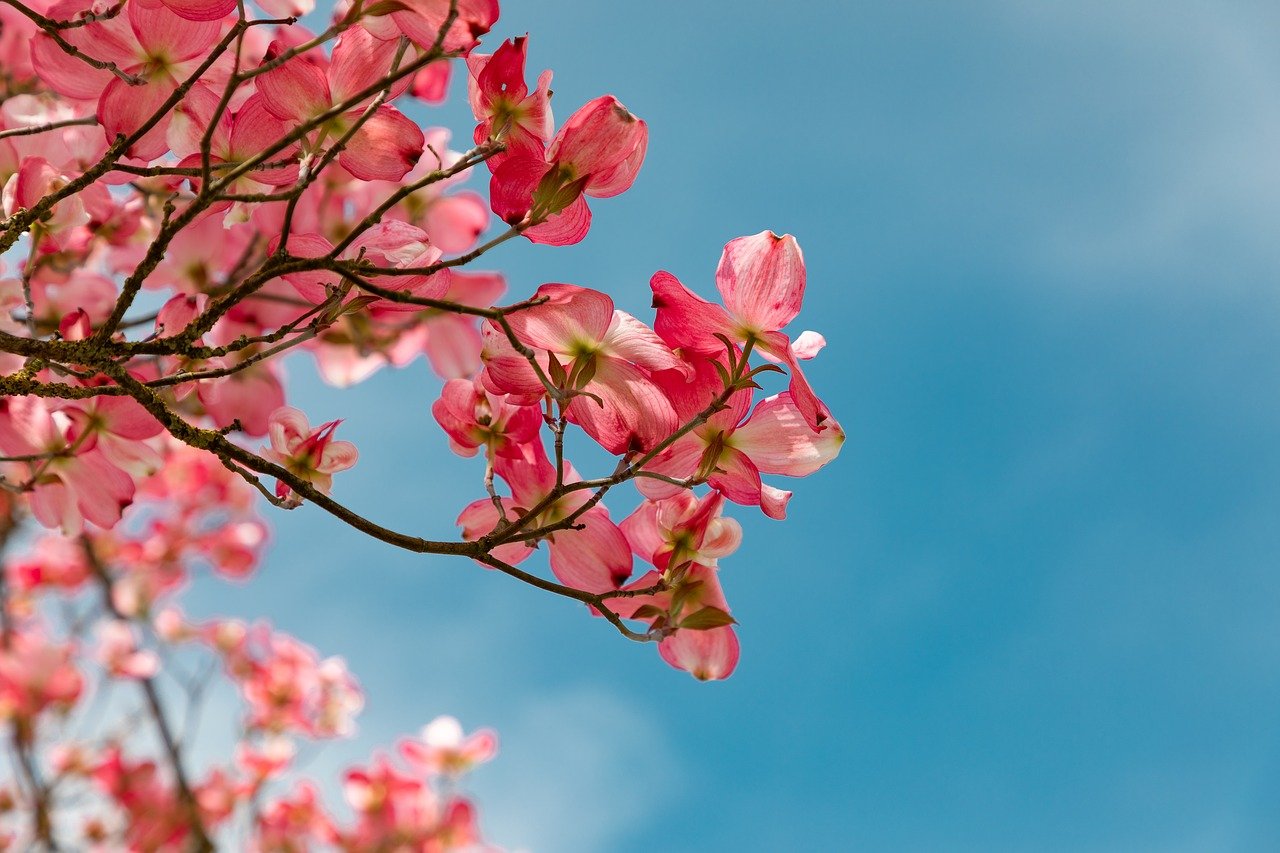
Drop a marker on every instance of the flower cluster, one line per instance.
(194, 189)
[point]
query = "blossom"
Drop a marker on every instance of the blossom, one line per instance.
(505, 109)
(591, 555)
(72, 484)
(36, 673)
(762, 281)
(609, 353)
(474, 417)
(734, 446)
(154, 43)
(693, 616)
(682, 528)
(443, 747)
(311, 455)
(597, 153)
(119, 653)
(386, 144)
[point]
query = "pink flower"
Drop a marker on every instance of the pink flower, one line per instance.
(503, 106)
(610, 353)
(33, 181)
(265, 760)
(682, 529)
(119, 427)
(453, 221)
(762, 280)
(236, 137)
(157, 43)
(312, 455)
(475, 418)
(421, 21)
(387, 145)
(71, 487)
(731, 449)
(35, 674)
(443, 748)
(248, 396)
(390, 243)
(594, 558)
(119, 653)
(693, 613)
(597, 152)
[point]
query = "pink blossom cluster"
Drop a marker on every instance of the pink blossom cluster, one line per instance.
(194, 189)
(89, 620)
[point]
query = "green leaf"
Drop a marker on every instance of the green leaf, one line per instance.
(585, 370)
(648, 611)
(724, 374)
(683, 592)
(707, 618)
(767, 368)
(555, 372)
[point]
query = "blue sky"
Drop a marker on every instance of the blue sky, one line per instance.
(1034, 604)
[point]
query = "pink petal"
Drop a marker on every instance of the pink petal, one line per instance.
(191, 119)
(686, 319)
(66, 74)
(565, 228)
(530, 475)
(126, 418)
(312, 285)
(505, 370)
(431, 84)
(706, 655)
(288, 427)
(124, 109)
(633, 341)
(602, 140)
(596, 558)
(254, 129)
(691, 395)
(455, 222)
(385, 147)
(808, 345)
(642, 531)
(249, 396)
(424, 18)
(498, 76)
(102, 490)
(635, 413)
(477, 289)
(54, 506)
(294, 91)
(337, 456)
(359, 61)
(480, 517)
(762, 279)
(201, 10)
(738, 477)
(571, 318)
(679, 462)
(773, 502)
(780, 441)
(179, 29)
(512, 184)
(814, 410)
(453, 346)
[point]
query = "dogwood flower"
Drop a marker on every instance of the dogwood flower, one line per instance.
(312, 455)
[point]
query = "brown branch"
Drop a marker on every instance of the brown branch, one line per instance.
(31, 130)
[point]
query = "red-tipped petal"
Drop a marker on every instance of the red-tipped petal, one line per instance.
(596, 558)
(762, 279)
